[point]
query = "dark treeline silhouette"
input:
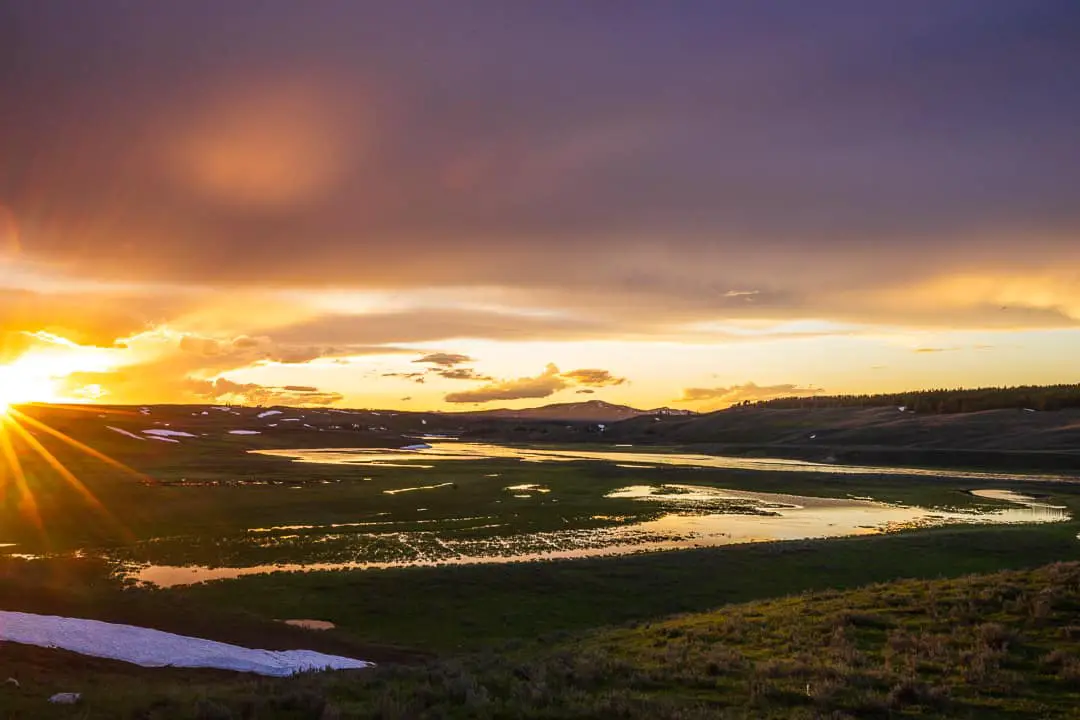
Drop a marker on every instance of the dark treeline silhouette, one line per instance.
(955, 400)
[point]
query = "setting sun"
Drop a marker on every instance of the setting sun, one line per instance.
(8, 390)
(19, 385)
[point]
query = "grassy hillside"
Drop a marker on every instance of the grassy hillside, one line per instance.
(946, 400)
(1005, 645)
(546, 639)
(1000, 439)
(469, 607)
(997, 439)
(990, 430)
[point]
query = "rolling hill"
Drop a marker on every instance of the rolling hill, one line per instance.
(588, 411)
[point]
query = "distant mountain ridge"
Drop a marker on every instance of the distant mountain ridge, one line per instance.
(587, 411)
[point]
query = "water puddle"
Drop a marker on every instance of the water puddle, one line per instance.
(461, 451)
(1014, 497)
(311, 624)
(420, 487)
(692, 516)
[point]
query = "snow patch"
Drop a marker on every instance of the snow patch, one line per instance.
(155, 648)
(268, 413)
(168, 433)
(244, 432)
(68, 698)
(125, 432)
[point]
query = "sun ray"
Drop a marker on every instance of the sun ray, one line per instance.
(27, 502)
(95, 409)
(143, 478)
(67, 475)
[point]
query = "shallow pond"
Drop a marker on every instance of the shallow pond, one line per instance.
(693, 516)
(311, 624)
(430, 457)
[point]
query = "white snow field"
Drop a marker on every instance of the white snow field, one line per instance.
(155, 648)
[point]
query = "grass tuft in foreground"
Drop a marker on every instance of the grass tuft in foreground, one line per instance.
(1003, 645)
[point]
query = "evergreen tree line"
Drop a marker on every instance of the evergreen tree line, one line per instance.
(944, 400)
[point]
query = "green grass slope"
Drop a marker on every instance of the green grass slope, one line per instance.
(1005, 645)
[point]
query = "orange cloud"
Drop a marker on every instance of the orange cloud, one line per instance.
(444, 359)
(546, 383)
(593, 377)
(725, 396)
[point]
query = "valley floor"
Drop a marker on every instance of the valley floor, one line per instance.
(899, 624)
(597, 639)
(999, 645)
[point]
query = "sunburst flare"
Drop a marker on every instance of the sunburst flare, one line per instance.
(20, 441)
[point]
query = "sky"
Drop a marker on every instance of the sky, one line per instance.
(456, 205)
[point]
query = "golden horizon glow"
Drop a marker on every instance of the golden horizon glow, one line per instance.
(21, 383)
(365, 348)
(162, 365)
(11, 389)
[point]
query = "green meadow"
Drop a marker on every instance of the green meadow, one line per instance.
(874, 625)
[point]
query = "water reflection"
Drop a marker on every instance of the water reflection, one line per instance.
(456, 451)
(696, 516)
(311, 624)
(1014, 497)
(418, 487)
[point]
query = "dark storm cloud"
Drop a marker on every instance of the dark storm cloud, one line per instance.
(528, 144)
